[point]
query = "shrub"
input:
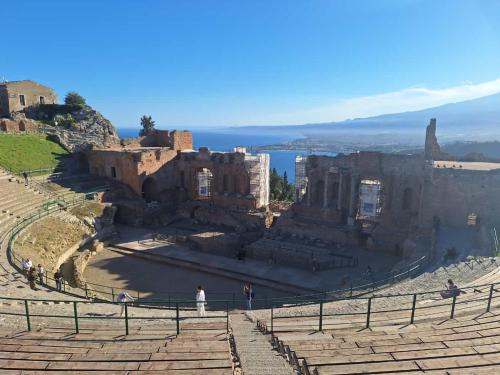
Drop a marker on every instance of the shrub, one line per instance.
(73, 98)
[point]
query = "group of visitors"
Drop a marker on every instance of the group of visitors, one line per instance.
(33, 273)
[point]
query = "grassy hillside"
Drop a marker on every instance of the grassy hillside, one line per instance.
(20, 152)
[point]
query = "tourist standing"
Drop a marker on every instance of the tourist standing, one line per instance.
(25, 175)
(200, 301)
(59, 280)
(32, 278)
(248, 293)
(122, 298)
(27, 267)
(41, 273)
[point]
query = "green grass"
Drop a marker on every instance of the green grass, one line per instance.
(20, 152)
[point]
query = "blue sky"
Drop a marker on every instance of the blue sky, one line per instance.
(218, 63)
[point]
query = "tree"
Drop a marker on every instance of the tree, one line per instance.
(73, 98)
(280, 189)
(148, 125)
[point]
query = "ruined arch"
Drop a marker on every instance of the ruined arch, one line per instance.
(22, 126)
(3, 126)
(407, 199)
(150, 189)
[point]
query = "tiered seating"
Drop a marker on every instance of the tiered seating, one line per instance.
(443, 339)
(67, 187)
(16, 201)
(457, 346)
(203, 352)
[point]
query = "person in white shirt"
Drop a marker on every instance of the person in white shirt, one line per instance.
(200, 301)
(27, 266)
(122, 298)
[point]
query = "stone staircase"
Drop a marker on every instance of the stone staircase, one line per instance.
(256, 355)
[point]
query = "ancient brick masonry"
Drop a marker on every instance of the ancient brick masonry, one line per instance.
(163, 167)
(16, 126)
(388, 201)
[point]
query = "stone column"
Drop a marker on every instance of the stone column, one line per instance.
(308, 193)
(325, 192)
(352, 199)
(339, 196)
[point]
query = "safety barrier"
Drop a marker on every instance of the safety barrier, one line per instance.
(443, 303)
(180, 313)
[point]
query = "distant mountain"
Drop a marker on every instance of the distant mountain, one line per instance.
(477, 119)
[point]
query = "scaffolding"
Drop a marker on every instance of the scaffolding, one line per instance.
(258, 172)
(300, 177)
(370, 199)
(204, 177)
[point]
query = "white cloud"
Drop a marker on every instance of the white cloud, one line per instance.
(409, 99)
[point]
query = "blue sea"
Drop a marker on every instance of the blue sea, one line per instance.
(226, 140)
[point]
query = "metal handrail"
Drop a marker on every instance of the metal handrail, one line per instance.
(126, 318)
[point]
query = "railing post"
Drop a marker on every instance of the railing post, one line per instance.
(138, 296)
(272, 319)
(368, 312)
(27, 314)
(112, 294)
(126, 318)
(177, 318)
(77, 329)
(351, 290)
(321, 316)
(86, 291)
(413, 306)
(453, 302)
(227, 317)
(46, 279)
(489, 298)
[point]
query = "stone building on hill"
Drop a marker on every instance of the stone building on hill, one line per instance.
(15, 96)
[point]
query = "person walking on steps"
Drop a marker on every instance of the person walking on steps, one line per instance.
(32, 278)
(41, 272)
(58, 277)
(122, 298)
(249, 296)
(200, 301)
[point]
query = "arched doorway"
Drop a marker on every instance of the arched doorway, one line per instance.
(204, 186)
(3, 126)
(22, 126)
(150, 190)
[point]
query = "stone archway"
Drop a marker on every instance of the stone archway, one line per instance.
(22, 126)
(150, 190)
